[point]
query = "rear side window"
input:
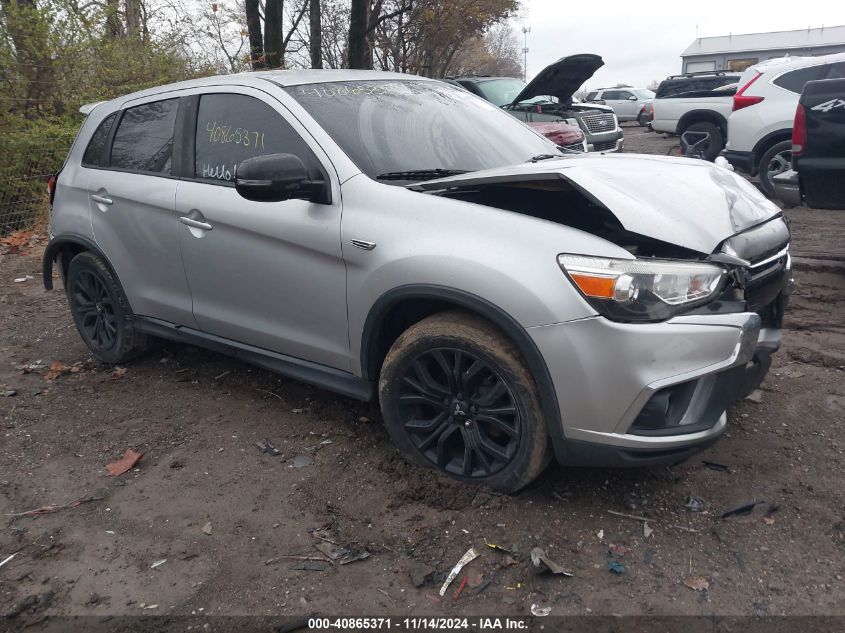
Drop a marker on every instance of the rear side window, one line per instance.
(144, 138)
(232, 128)
(836, 71)
(794, 80)
(672, 88)
(95, 154)
(610, 95)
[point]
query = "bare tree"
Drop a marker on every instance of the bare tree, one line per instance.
(256, 40)
(315, 42)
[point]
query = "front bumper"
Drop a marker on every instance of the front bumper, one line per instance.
(641, 394)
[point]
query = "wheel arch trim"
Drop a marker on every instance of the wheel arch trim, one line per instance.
(493, 313)
(54, 248)
(703, 116)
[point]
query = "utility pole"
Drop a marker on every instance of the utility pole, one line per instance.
(525, 31)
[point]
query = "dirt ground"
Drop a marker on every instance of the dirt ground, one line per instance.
(223, 515)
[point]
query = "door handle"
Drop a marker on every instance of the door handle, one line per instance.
(196, 224)
(101, 199)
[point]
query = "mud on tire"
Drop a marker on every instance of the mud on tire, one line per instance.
(457, 397)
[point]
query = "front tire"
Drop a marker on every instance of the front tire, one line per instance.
(457, 397)
(775, 160)
(101, 311)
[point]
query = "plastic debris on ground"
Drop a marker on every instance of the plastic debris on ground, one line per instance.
(21, 280)
(158, 563)
(301, 461)
(755, 396)
(7, 559)
(647, 531)
(470, 555)
(125, 463)
(744, 509)
(697, 583)
(266, 447)
(206, 529)
(420, 573)
(539, 611)
(8, 393)
(328, 543)
(615, 566)
(541, 564)
(694, 504)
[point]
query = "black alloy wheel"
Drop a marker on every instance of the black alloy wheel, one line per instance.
(459, 412)
(90, 299)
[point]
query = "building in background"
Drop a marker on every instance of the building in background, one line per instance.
(738, 52)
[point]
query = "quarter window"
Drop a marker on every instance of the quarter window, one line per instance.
(836, 71)
(794, 80)
(95, 153)
(144, 138)
(232, 128)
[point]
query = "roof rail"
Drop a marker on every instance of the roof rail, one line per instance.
(703, 72)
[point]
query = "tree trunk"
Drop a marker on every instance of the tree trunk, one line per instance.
(315, 44)
(256, 41)
(132, 10)
(358, 27)
(27, 29)
(274, 37)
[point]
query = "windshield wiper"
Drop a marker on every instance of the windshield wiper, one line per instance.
(421, 174)
(539, 157)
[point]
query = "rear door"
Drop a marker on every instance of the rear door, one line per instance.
(132, 193)
(268, 274)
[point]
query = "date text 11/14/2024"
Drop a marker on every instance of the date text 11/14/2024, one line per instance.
(418, 624)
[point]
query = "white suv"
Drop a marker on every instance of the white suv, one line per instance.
(760, 126)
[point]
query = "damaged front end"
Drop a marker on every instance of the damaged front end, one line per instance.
(690, 319)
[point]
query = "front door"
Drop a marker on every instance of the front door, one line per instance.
(268, 274)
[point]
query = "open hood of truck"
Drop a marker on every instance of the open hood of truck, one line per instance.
(562, 78)
(690, 203)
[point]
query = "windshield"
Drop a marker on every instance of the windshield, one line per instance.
(501, 91)
(404, 126)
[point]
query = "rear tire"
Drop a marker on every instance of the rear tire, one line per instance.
(776, 159)
(457, 397)
(101, 311)
(717, 139)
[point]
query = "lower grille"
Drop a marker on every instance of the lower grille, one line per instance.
(604, 146)
(598, 123)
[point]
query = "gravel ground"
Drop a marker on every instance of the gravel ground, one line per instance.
(224, 516)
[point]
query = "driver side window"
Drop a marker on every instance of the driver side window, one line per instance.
(232, 128)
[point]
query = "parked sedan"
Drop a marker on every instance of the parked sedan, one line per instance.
(393, 238)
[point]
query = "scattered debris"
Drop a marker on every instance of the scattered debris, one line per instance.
(647, 531)
(460, 589)
(55, 508)
(539, 611)
(31, 603)
(266, 447)
(21, 280)
(715, 466)
(632, 501)
(33, 366)
(343, 555)
(744, 509)
(498, 548)
(694, 504)
(648, 556)
(629, 516)
(769, 520)
(618, 550)
(420, 573)
(57, 368)
(148, 606)
(600, 535)
(541, 564)
(125, 463)
(271, 561)
(118, 373)
(615, 566)
(311, 565)
(223, 375)
(158, 563)
(684, 528)
(697, 583)
(755, 396)
(206, 529)
(7, 559)
(301, 461)
(8, 393)
(470, 555)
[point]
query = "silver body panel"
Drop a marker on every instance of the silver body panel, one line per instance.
(300, 278)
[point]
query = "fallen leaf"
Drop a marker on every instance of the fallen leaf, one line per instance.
(118, 373)
(769, 520)
(618, 550)
(57, 368)
(129, 459)
(697, 583)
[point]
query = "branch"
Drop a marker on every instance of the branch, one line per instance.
(295, 25)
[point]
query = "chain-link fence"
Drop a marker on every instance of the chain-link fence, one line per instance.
(31, 156)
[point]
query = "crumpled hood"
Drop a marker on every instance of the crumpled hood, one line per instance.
(690, 203)
(562, 78)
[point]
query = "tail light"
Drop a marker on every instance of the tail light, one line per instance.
(741, 100)
(51, 187)
(799, 131)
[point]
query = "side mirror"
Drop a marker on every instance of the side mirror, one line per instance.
(632, 98)
(277, 177)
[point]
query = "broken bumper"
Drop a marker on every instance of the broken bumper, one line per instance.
(641, 394)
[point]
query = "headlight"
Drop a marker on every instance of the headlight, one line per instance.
(642, 289)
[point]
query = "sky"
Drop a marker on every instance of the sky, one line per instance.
(642, 40)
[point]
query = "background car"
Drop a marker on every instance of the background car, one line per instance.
(817, 176)
(627, 103)
(760, 126)
(696, 102)
(550, 97)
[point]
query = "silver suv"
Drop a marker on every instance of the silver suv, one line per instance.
(393, 237)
